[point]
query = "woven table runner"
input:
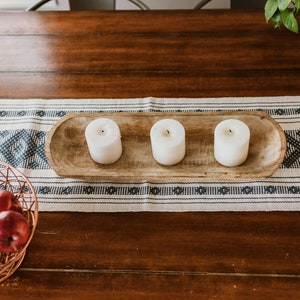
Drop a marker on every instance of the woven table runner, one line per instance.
(24, 125)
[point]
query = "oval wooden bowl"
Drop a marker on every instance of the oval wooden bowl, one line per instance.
(67, 151)
(13, 180)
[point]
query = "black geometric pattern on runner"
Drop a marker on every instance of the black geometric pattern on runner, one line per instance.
(292, 155)
(49, 113)
(24, 148)
(183, 190)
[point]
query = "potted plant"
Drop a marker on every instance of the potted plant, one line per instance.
(283, 12)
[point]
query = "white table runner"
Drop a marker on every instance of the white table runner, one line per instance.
(24, 125)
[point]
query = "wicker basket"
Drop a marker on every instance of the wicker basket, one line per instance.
(13, 180)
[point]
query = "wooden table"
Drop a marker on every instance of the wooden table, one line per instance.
(198, 255)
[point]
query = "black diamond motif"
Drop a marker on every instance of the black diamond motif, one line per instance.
(292, 155)
(24, 148)
(155, 190)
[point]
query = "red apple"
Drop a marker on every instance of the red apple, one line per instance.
(14, 231)
(6, 198)
(16, 206)
(8, 201)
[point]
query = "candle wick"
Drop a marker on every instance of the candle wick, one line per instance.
(230, 131)
(166, 132)
(101, 132)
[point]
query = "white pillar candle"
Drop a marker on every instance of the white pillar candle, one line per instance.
(104, 140)
(231, 142)
(168, 141)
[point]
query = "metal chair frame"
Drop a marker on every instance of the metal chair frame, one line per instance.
(138, 3)
(37, 5)
(143, 6)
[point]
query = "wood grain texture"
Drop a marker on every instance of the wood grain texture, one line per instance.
(113, 55)
(147, 255)
(67, 152)
(225, 242)
(145, 285)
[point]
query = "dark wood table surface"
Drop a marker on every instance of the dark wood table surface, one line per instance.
(224, 255)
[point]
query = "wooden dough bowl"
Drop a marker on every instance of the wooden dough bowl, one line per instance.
(68, 155)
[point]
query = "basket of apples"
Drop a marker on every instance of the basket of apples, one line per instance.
(18, 218)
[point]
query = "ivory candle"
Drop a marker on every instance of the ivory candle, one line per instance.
(231, 142)
(168, 141)
(104, 140)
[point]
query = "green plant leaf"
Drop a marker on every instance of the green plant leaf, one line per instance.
(289, 20)
(283, 4)
(271, 7)
(276, 19)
